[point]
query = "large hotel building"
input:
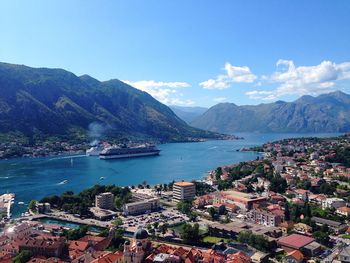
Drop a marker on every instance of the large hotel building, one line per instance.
(104, 200)
(183, 191)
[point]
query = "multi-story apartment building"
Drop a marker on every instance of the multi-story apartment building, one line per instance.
(263, 218)
(104, 200)
(183, 191)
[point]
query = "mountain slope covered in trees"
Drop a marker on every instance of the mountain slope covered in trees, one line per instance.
(325, 113)
(41, 102)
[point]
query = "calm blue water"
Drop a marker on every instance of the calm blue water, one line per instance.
(35, 178)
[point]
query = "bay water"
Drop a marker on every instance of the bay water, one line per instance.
(35, 178)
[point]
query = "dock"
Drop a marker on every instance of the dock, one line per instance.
(6, 201)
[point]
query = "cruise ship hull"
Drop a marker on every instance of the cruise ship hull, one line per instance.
(129, 155)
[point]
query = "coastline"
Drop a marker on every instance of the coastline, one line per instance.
(186, 163)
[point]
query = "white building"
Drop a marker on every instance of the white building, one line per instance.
(183, 191)
(105, 200)
(343, 210)
(141, 207)
(333, 202)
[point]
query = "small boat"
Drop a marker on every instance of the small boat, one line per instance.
(102, 178)
(21, 203)
(64, 182)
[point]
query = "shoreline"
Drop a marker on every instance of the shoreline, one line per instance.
(83, 151)
(200, 177)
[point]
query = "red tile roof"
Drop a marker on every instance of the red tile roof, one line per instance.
(109, 257)
(297, 255)
(295, 241)
(78, 245)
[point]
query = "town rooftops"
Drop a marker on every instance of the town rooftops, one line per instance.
(109, 258)
(301, 191)
(43, 243)
(295, 241)
(78, 245)
(183, 184)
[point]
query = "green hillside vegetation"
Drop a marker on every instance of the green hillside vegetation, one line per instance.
(41, 103)
(325, 113)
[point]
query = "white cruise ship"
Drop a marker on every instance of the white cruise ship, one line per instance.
(118, 152)
(95, 150)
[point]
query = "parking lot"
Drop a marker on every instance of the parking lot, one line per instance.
(166, 215)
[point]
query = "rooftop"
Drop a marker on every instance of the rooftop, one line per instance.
(295, 241)
(183, 183)
(297, 255)
(326, 221)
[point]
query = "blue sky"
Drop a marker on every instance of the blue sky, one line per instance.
(188, 52)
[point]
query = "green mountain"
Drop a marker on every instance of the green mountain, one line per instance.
(188, 114)
(325, 113)
(41, 102)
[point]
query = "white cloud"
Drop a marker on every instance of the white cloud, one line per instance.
(220, 99)
(261, 95)
(233, 74)
(165, 92)
(303, 80)
(239, 74)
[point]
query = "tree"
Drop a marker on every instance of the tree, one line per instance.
(278, 184)
(218, 173)
(23, 257)
(257, 241)
(155, 225)
(321, 237)
(286, 212)
(212, 212)
(307, 210)
(117, 240)
(117, 222)
(184, 207)
(32, 206)
(190, 233)
(164, 228)
(118, 202)
(75, 234)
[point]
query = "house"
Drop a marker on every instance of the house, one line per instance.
(344, 255)
(259, 257)
(302, 194)
(302, 228)
(333, 202)
(294, 256)
(344, 211)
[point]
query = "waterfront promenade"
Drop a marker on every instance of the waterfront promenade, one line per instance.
(70, 218)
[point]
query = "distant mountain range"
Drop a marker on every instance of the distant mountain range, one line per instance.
(39, 102)
(325, 113)
(188, 114)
